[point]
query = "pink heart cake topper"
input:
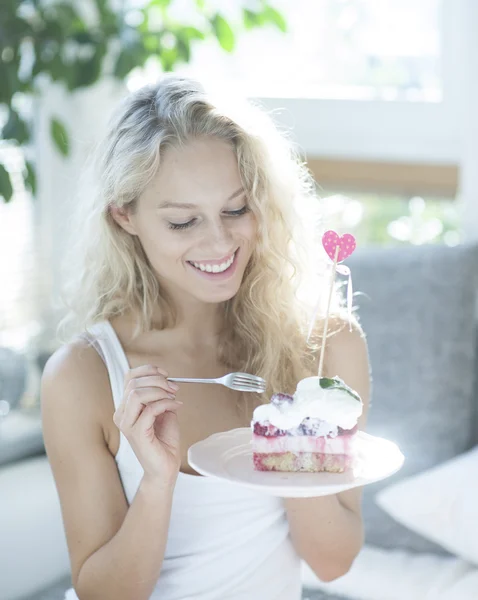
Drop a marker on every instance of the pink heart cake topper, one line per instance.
(346, 244)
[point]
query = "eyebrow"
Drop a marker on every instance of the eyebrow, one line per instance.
(188, 205)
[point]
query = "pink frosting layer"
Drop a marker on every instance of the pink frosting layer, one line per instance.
(343, 444)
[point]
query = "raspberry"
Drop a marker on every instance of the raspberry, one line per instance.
(310, 426)
(268, 430)
(278, 399)
(260, 429)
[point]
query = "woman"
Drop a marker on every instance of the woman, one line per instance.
(187, 268)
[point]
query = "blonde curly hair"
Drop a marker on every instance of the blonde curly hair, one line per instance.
(108, 272)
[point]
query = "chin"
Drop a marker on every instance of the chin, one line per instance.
(218, 297)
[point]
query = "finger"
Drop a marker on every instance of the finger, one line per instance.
(148, 416)
(130, 376)
(118, 415)
(138, 400)
(151, 381)
(168, 428)
(140, 383)
(143, 370)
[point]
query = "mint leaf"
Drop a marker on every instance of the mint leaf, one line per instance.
(325, 382)
(338, 384)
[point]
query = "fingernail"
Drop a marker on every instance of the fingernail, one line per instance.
(162, 371)
(173, 386)
(172, 396)
(179, 402)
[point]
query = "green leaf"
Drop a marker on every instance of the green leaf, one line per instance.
(159, 3)
(102, 7)
(184, 48)
(108, 20)
(192, 33)
(6, 189)
(66, 16)
(16, 128)
(9, 81)
(83, 37)
(84, 73)
(151, 43)
(251, 19)
(223, 32)
(272, 15)
(132, 56)
(168, 58)
(31, 178)
(338, 384)
(326, 382)
(60, 137)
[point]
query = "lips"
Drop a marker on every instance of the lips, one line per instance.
(217, 276)
(213, 262)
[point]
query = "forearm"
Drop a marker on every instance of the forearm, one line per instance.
(128, 566)
(326, 533)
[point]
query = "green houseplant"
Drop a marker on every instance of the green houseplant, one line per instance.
(52, 39)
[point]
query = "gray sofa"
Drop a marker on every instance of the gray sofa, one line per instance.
(417, 306)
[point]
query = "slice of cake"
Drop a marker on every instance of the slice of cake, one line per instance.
(311, 431)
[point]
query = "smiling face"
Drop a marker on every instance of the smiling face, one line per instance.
(194, 222)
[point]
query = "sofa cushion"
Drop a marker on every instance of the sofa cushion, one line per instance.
(311, 594)
(20, 436)
(379, 574)
(417, 307)
(33, 550)
(55, 591)
(13, 370)
(440, 504)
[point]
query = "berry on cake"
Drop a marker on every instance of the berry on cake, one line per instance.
(313, 430)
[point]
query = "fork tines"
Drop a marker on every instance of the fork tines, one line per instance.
(250, 381)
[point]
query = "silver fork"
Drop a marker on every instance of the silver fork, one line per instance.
(244, 382)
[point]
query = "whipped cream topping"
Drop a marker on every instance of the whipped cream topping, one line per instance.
(335, 406)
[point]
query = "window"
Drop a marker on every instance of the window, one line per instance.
(388, 219)
(337, 49)
(18, 266)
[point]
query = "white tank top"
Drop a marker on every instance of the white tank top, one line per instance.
(225, 542)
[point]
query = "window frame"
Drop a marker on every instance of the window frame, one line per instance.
(407, 132)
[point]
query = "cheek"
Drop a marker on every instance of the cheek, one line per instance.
(162, 247)
(247, 228)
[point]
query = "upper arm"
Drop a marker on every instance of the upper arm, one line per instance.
(346, 356)
(74, 393)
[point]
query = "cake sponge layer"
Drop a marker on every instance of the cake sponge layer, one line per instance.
(309, 462)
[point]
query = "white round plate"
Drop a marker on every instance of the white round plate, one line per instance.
(228, 455)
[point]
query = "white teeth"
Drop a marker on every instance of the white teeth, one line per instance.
(215, 268)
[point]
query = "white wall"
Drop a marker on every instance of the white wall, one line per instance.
(84, 114)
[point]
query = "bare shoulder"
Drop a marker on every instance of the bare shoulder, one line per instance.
(75, 385)
(72, 360)
(345, 336)
(346, 356)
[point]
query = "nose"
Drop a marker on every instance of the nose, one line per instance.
(219, 239)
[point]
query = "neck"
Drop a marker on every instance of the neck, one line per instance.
(198, 323)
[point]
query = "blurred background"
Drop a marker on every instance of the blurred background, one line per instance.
(379, 95)
(376, 93)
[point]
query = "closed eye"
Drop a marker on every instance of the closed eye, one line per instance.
(239, 212)
(230, 213)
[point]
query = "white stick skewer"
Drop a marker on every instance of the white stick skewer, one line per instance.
(326, 323)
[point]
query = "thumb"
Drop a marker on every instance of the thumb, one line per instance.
(167, 428)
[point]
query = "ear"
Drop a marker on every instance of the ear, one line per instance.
(123, 217)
